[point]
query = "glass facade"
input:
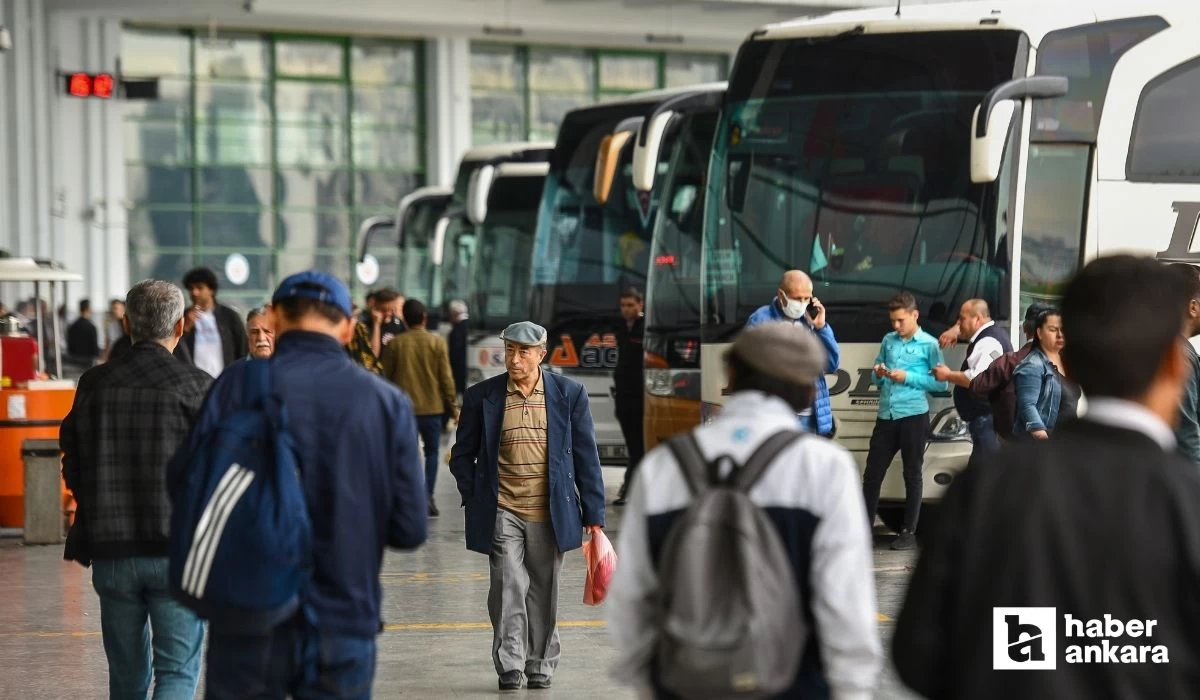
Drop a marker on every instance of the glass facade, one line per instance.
(522, 92)
(267, 148)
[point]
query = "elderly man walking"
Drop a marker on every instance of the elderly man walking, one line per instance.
(130, 416)
(527, 468)
(794, 303)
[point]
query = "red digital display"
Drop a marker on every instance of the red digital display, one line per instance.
(665, 260)
(102, 86)
(79, 85)
(85, 85)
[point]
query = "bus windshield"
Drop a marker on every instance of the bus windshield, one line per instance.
(673, 285)
(584, 253)
(458, 250)
(849, 157)
(415, 273)
(499, 292)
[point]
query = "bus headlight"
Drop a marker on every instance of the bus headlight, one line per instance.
(474, 376)
(947, 426)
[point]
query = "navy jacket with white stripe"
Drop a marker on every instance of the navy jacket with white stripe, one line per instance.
(812, 495)
(363, 476)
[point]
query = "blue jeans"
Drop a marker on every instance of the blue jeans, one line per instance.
(430, 428)
(145, 629)
(983, 438)
(292, 659)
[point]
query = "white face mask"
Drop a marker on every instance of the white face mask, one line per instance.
(794, 309)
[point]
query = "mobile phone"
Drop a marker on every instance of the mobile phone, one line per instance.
(814, 311)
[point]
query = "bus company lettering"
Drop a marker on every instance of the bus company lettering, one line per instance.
(1100, 647)
(599, 352)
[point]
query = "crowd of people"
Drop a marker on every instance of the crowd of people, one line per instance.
(1067, 444)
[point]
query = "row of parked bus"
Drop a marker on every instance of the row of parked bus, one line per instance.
(959, 151)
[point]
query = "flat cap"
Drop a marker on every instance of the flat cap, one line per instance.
(524, 333)
(786, 351)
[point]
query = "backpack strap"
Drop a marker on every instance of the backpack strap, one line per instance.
(692, 463)
(756, 464)
(258, 383)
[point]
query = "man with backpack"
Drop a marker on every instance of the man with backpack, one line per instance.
(746, 524)
(130, 416)
(298, 616)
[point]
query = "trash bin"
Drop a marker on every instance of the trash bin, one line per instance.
(43, 492)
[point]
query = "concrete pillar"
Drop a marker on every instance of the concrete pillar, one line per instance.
(447, 106)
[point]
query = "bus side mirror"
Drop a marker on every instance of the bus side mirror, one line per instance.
(993, 119)
(646, 151)
(607, 158)
(477, 193)
(374, 227)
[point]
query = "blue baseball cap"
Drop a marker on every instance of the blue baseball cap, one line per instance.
(314, 284)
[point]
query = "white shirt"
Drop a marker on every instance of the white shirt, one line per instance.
(985, 352)
(1119, 413)
(208, 354)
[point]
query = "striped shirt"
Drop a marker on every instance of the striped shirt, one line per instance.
(523, 462)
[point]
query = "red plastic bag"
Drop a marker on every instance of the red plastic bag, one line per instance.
(601, 561)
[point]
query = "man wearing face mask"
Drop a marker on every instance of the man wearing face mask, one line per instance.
(794, 303)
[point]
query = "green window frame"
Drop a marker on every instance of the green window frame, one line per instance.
(276, 159)
(492, 104)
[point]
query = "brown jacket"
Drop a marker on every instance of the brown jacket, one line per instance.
(995, 385)
(419, 363)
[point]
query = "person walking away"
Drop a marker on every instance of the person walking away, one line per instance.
(417, 361)
(129, 417)
(810, 492)
(1040, 524)
(528, 471)
(995, 382)
(361, 474)
(83, 338)
(457, 344)
(1044, 396)
(215, 336)
(903, 372)
(261, 333)
(1187, 433)
(794, 303)
(628, 383)
(988, 342)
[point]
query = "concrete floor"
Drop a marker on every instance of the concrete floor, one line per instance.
(437, 642)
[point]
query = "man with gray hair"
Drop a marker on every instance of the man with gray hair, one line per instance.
(809, 490)
(130, 416)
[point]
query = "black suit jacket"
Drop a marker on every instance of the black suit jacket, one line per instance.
(1097, 520)
(234, 345)
(457, 346)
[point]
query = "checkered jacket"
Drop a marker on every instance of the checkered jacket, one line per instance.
(130, 416)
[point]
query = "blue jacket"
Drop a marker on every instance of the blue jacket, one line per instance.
(576, 484)
(363, 476)
(822, 409)
(1038, 392)
(917, 356)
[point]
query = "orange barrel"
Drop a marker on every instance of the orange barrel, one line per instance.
(25, 414)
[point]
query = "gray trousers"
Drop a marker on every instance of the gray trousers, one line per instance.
(523, 598)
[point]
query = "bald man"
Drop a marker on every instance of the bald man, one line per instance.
(987, 342)
(794, 303)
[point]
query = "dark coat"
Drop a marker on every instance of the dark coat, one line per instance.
(1096, 520)
(576, 483)
(234, 343)
(122, 345)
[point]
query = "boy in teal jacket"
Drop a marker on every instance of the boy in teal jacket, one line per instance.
(903, 373)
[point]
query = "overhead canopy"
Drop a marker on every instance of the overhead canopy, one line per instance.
(35, 270)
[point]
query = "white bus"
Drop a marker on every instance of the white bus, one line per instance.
(405, 250)
(953, 151)
(502, 207)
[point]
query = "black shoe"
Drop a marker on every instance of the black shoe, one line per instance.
(906, 540)
(538, 682)
(433, 511)
(620, 501)
(511, 681)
